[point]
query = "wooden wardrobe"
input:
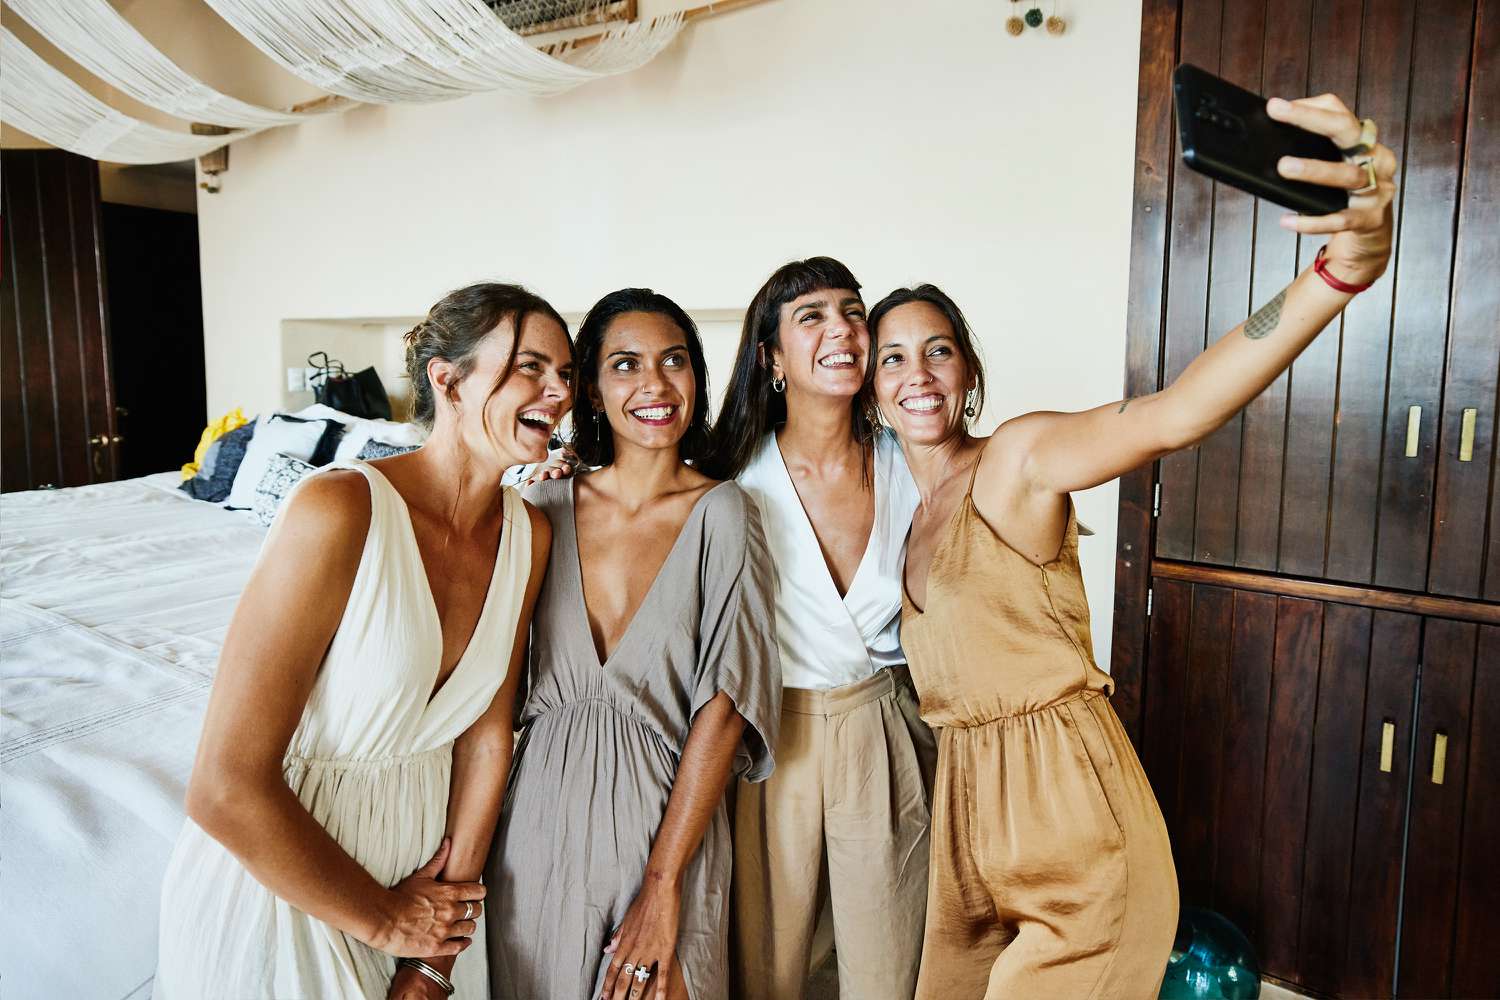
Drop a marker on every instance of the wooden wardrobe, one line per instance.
(1307, 633)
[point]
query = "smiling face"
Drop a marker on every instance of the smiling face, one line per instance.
(921, 378)
(823, 344)
(645, 386)
(513, 423)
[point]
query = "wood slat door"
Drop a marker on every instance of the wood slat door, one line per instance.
(1477, 922)
(1439, 869)
(1466, 502)
(58, 422)
(1319, 476)
(1291, 744)
(1264, 725)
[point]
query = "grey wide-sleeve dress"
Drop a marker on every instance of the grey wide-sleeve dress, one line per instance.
(601, 746)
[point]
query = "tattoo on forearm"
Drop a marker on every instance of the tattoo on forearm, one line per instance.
(1122, 406)
(1266, 317)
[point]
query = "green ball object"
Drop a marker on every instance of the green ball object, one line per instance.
(1211, 960)
(1034, 17)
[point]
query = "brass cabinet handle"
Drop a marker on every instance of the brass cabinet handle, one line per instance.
(1439, 757)
(1466, 435)
(1413, 430)
(1387, 744)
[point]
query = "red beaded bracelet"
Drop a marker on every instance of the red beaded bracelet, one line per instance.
(1321, 267)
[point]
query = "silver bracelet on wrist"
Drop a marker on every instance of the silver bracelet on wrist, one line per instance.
(428, 971)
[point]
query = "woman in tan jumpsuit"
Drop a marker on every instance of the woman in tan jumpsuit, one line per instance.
(1052, 875)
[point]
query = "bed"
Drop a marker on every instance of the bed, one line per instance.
(114, 601)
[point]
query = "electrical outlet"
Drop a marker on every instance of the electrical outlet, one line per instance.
(296, 380)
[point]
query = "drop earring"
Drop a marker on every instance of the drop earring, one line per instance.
(969, 408)
(778, 385)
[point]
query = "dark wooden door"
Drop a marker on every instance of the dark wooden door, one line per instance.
(58, 414)
(1333, 472)
(1444, 951)
(1477, 915)
(1278, 735)
(1465, 498)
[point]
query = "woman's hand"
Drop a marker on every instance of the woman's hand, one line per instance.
(425, 917)
(647, 939)
(559, 466)
(1361, 234)
(409, 984)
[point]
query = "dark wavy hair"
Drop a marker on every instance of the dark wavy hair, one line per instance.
(591, 440)
(963, 336)
(751, 407)
(454, 328)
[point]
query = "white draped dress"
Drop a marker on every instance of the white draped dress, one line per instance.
(370, 760)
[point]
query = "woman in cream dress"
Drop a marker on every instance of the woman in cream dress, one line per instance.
(358, 736)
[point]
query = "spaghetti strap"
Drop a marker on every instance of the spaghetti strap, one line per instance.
(974, 473)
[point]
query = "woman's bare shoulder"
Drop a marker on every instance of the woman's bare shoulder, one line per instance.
(331, 512)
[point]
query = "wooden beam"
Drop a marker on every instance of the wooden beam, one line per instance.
(688, 17)
(1484, 612)
(333, 102)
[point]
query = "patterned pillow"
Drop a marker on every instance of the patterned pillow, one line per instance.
(214, 487)
(379, 449)
(281, 475)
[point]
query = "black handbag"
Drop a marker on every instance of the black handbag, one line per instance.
(360, 395)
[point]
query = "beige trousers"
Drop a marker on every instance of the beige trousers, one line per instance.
(847, 808)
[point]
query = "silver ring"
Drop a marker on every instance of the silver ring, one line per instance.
(468, 910)
(642, 974)
(628, 968)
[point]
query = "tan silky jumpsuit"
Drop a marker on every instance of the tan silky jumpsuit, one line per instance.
(1051, 875)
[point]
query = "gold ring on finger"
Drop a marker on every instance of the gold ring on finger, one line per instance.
(1365, 144)
(1367, 163)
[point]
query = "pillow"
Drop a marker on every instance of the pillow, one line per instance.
(318, 411)
(276, 434)
(214, 481)
(358, 433)
(328, 444)
(282, 473)
(383, 449)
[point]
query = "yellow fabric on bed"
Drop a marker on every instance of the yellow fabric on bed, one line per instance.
(215, 430)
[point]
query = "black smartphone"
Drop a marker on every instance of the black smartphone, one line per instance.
(1227, 135)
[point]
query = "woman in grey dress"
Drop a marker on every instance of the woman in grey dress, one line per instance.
(653, 679)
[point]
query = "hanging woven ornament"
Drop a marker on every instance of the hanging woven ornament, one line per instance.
(1014, 24)
(1055, 24)
(1034, 17)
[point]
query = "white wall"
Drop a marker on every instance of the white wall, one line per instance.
(913, 141)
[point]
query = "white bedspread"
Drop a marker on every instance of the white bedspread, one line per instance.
(114, 600)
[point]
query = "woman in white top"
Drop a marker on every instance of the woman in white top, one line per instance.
(358, 736)
(848, 802)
